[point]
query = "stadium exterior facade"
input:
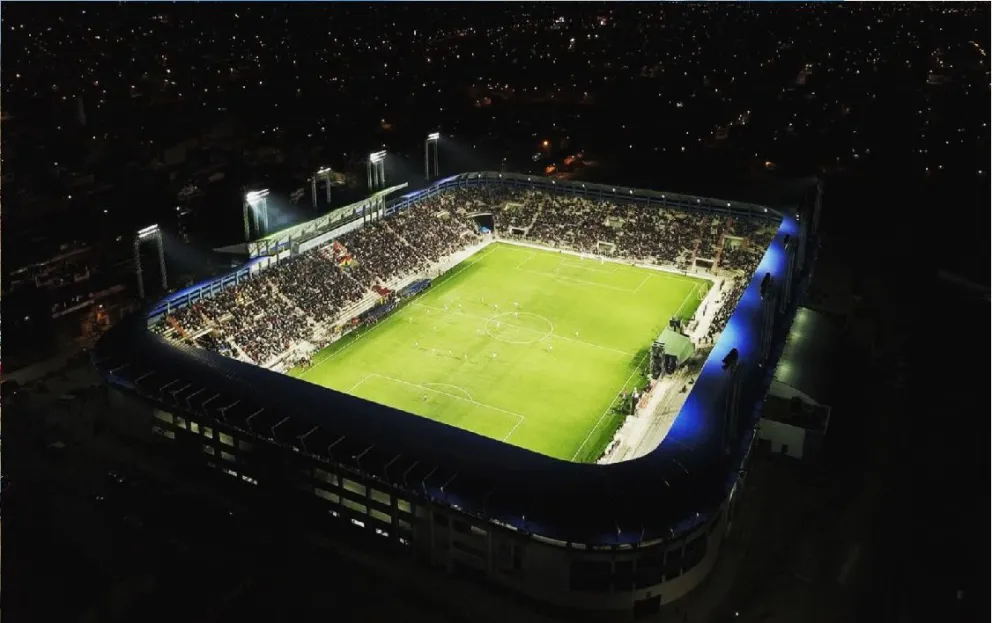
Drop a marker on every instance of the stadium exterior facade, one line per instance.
(623, 537)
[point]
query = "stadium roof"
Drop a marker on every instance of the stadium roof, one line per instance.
(676, 344)
(661, 495)
(299, 227)
(805, 362)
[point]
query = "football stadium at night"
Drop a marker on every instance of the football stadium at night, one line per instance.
(550, 385)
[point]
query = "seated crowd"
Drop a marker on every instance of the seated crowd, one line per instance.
(292, 302)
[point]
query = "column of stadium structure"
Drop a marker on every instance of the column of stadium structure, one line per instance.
(769, 309)
(790, 270)
(137, 267)
(731, 404)
(152, 232)
(432, 139)
(256, 208)
(323, 173)
(245, 209)
(377, 170)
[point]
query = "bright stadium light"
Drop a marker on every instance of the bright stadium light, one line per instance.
(255, 196)
(433, 136)
(378, 156)
(147, 232)
(323, 170)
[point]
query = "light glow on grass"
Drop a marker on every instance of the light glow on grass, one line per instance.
(524, 346)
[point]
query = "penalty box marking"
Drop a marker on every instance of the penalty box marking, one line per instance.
(426, 387)
(580, 265)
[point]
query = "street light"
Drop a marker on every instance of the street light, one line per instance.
(432, 139)
(255, 209)
(152, 232)
(377, 169)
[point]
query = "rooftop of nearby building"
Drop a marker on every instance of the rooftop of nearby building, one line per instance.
(805, 365)
(796, 412)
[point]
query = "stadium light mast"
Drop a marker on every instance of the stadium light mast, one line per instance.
(377, 170)
(432, 139)
(256, 211)
(324, 174)
(152, 232)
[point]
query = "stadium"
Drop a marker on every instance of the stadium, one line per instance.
(549, 385)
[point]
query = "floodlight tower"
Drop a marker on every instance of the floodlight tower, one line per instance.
(256, 211)
(152, 232)
(377, 170)
(432, 139)
(324, 174)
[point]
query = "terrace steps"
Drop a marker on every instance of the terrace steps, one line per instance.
(728, 229)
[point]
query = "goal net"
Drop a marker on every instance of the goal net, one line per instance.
(605, 248)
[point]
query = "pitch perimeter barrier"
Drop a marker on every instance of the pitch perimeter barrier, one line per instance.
(415, 288)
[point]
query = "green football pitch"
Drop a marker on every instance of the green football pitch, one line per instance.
(529, 347)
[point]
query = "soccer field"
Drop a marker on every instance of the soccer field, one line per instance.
(528, 347)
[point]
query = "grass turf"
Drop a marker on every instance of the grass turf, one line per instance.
(544, 375)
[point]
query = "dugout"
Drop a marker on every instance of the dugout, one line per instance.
(669, 351)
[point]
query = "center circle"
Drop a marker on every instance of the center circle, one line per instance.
(524, 328)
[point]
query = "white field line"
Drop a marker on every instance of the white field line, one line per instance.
(610, 406)
(527, 259)
(425, 387)
(468, 395)
(346, 346)
(579, 265)
(664, 271)
(692, 291)
(470, 261)
(359, 383)
(558, 277)
(514, 429)
(638, 288)
(560, 337)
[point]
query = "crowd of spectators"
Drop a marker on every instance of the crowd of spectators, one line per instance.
(316, 286)
(711, 233)
(435, 228)
(662, 236)
(739, 258)
(288, 304)
(729, 299)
